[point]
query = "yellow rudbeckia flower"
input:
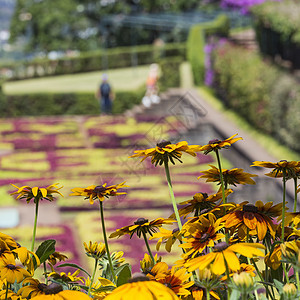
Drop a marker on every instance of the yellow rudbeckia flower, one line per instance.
(165, 151)
(11, 272)
(142, 290)
(217, 144)
(99, 192)
(224, 254)
(36, 193)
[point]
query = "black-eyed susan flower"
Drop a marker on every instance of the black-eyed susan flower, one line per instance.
(200, 202)
(10, 242)
(66, 278)
(99, 192)
(37, 193)
(146, 290)
(198, 293)
(56, 257)
(32, 287)
(165, 151)
(169, 237)
(289, 167)
(273, 258)
(217, 144)
(202, 234)
(223, 254)
(101, 283)
(140, 226)
(95, 250)
(177, 281)
(231, 177)
(147, 262)
(291, 253)
(5, 251)
(159, 270)
(27, 258)
(55, 291)
(11, 272)
(116, 258)
(10, 295)
(256, 217)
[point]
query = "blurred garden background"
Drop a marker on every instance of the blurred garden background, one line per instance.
(240, 57)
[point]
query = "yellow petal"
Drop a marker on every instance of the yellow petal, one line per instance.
(35, 191)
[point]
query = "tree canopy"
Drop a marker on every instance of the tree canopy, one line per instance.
(46, 25)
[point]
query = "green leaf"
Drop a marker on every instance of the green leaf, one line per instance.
(278, 285)
(45, 249)
(124, 274)
(235, 295)
(74, 266)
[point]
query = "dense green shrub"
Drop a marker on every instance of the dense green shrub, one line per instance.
(170, 73)
(266, 97)
(96, 60)
(277, 25)
(64, 104)
(196, 41)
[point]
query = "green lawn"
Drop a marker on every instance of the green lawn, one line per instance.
(125, 79)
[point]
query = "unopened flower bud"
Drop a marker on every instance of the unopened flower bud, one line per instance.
(243, 279)
(289, 289)
(205, 274)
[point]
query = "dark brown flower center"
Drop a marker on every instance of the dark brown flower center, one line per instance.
(99, 189)
(221, 247)
(283, 160)
(214, 141)
(11, 267)
(204, 237)
(138, 277)
(204, 195)
(167, 284)
(163, 144)
(53, 288)
(140, 221)
(42, 286)
(204, 211)
(250, 208)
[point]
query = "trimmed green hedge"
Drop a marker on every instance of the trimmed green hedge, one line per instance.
(170, 77)
(265, 96)
(46, 104)
(277, 26)
(95, 61)
(196, 42)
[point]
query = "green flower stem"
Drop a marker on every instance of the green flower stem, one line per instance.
(221, 176)
(35, 223)
(172, 195)
(228, 277)
(45, 273)
(93, 276)
(297, 280)
(148, 247)
(222, 188)
(285, 273)
(260, 276)
(283, 205)
(106, 243)
(295, 199)
(6, 293)
(207, 294)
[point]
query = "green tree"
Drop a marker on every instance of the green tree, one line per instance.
(48, 24)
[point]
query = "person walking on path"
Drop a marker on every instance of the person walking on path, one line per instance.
(104, 95)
